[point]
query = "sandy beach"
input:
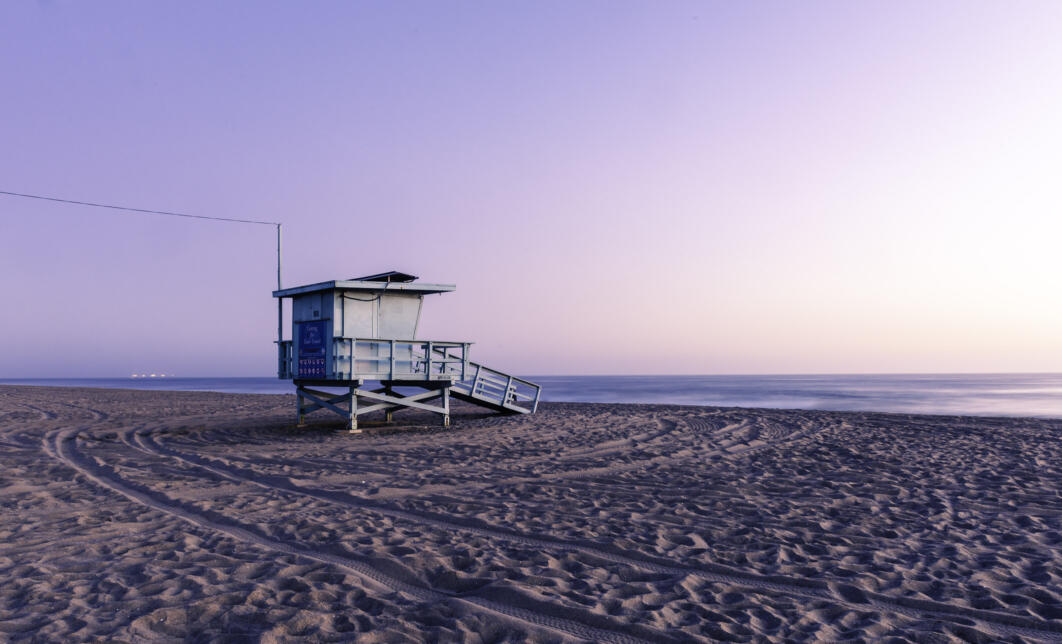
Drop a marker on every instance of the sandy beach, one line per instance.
(176, 516)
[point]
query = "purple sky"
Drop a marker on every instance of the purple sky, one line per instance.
(654, 187)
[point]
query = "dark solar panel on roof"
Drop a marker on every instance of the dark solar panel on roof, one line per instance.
(389, 276)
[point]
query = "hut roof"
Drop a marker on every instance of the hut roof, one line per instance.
(389, 281)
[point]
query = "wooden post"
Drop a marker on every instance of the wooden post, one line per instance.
(354, 410)
(300, 417)
(392, 373)
(475, 381)
(353, 349)
(389, 414)
(446, 406)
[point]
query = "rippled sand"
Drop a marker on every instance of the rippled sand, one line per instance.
(145, 516)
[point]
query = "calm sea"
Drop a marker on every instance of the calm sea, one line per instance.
(967, 394)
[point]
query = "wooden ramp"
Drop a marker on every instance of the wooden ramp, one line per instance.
(496, 390)
(441, 368)
(486, 387)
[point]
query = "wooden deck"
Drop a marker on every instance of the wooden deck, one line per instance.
(442, 368)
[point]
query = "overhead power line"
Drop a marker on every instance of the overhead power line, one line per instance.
(280, 301)
(140, 210)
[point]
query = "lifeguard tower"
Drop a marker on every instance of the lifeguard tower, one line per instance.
(350, 333)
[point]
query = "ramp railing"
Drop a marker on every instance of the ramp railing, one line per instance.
(500, 389)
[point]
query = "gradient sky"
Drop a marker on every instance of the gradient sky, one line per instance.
(651, 187)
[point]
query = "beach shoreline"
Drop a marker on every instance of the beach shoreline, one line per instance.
(132, 514)
(1017, 395)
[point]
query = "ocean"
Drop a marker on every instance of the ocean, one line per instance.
(1036, 395)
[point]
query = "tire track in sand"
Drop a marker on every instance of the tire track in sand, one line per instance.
(834, 591)
(587, 472)
(59, 444)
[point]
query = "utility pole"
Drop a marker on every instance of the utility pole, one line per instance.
(280, 300)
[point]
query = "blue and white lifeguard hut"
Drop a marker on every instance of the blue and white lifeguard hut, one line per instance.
(350, 334)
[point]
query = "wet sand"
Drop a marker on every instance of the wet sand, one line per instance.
(176, 516)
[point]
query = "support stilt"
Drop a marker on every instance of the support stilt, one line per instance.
(298, 402)
(354, 411)
(446, 406)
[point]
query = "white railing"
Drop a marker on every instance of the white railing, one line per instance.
(284, 366)
(383, 359)
(428, 360)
